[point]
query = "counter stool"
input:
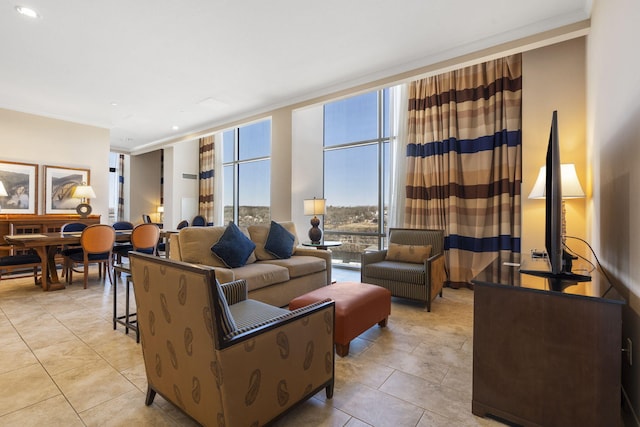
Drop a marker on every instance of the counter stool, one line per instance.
(128, 319)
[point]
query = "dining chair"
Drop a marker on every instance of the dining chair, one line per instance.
(97, 248)
(121, 249)
(67, 250)
(199, 221)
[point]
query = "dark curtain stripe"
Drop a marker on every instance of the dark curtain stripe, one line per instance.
(464, 95)
(207, 174)
(480, 191)
(467, 146)
(487, 244)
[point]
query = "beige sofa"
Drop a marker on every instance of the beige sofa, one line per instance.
(269, 279)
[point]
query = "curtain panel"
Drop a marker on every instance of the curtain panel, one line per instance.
(464, 165)
(120, 215)
(206, 177)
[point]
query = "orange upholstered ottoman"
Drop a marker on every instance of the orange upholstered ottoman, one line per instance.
(359, 306)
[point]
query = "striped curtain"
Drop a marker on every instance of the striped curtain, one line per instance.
(464, 162)
(120, 216)
(206, 177)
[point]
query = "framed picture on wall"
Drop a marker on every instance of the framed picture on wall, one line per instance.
(59, 184)
(20, 183)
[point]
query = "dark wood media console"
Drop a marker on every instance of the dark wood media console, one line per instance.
(545, 358)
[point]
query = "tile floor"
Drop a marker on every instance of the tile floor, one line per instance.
(62, 364)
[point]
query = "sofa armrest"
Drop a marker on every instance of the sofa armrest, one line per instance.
(371, 257)
(235, 291)
(319, 253)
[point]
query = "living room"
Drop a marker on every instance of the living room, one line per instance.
(567, 72)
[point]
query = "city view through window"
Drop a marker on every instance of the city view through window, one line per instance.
(356, 169)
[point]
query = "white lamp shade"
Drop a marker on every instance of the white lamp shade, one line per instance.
(160, 209)
(3, 191)
(84, 192)
(571, 188)
(314, 206)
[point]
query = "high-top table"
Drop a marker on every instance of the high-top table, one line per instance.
(46, 246)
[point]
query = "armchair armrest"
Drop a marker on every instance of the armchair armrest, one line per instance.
(276, 364)
(437, 273)
(371, 257)
(235, 291)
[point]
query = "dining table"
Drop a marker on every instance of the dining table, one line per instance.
(46, 246)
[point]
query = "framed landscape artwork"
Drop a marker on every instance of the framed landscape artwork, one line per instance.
(59, 184)
(20, 181)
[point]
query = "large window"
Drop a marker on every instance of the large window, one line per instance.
(356, 153)
(246, 152)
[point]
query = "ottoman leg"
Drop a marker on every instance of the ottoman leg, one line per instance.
(383, 322)
(342, 349)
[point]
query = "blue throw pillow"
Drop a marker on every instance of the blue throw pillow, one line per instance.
(233, 248)
(279, 241)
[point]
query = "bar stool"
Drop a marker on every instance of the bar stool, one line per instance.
(144, 238)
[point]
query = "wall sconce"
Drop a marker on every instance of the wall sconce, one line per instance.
(315, 207)
(83, 192)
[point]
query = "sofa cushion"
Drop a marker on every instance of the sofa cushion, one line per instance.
(259, 234)
(279, 241)
(260, 274)
(195, 245)
(408, 253)
(300, 265)
(234, 248)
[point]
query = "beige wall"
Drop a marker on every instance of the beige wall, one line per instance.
(40, 140)
(144, 186)
(553, 79)
(613, 134)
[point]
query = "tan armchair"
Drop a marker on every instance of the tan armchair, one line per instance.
(405, 268)
(239, 363)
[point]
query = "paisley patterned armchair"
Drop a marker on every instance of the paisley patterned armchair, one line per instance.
(222, 358)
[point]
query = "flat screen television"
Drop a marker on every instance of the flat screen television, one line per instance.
(559, 272)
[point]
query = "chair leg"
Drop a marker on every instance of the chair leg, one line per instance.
(151, 394)
(86, 274)
(35, 275)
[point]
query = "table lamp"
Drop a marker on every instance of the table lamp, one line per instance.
(160, 211)
(571, 188)
(315, 207)
(83, 192)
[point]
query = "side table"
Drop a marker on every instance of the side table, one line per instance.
(324, 245)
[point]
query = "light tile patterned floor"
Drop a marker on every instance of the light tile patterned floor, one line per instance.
(62, 364)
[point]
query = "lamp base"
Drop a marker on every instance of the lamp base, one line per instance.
(84, 210)
(315, 234)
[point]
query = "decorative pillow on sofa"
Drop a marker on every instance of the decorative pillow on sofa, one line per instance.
(279, 241)
(234, 248)
(408, 253)
(259, 234)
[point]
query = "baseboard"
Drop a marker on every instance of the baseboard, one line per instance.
(629, 406)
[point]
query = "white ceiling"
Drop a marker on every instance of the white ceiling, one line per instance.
(202, 63)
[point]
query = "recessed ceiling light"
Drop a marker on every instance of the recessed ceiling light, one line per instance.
(174, 127)
(114, 104)
(27, 11)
